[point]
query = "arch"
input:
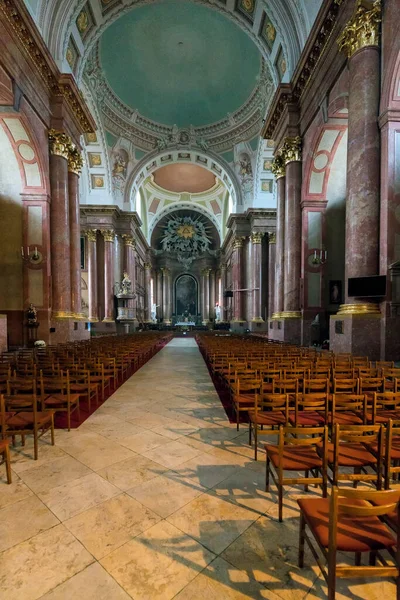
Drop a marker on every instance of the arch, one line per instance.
(183, 206)
(187, 298)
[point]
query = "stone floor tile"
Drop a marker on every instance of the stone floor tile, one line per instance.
(13, 492)
(132, 472)
(172, 454)
(55, 473)
(205, 470)
(143, 442)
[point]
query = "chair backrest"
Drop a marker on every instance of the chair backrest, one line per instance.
(21, 385)
(370, 384)
(274, 403)
(350, 386)
(349, 402)
(311, 402)
(358, 434)
(315, 385)
(306, 437)
(283, 386)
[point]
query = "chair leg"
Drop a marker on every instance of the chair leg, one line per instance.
(305, 485)
(8, 464)
(280, 500)
(357, 559)
(249, 432)
(331, 576)
(35, 444)
(52, 430)
(237, 418)
(301, 541)
(255, 441)
(267, 474)
(78, 409)
(69, 416)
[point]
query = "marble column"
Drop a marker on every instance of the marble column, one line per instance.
(130, 267)
(206, 295)
(166, 294)
(224, 302)
(271, 272)
(147, 286)
(237, 279)
(292, 232)
(256, 247)
(108, 236)
(75, 163)
(279, 170)
(159, 294)
(91, 235)
(360, 40)
(212, 296)
(60, 145)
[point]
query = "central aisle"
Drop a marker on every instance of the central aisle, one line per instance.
(154, 497)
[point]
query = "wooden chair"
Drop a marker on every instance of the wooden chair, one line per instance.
(4, 443)
(56, 395)
(297, 451)
(310, 410)
(357, 447)
(391, 463)
(316, 385)
(346, 386)
(384, 406)
(348, 409)
(81, 383)
(350, 521)
(25, 422)
(270, 412)
(371, 384)
(244, 396)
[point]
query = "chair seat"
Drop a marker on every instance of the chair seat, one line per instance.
(268, 418)
(294, 458)
(352, 455)
(391, 517)
(354, 534)
(59, 399)
(244, 399)
(24, 420)
(307, 418)
(345, 418)
(384, 416)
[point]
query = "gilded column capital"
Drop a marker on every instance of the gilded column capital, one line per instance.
(129, 240)
(256, 237)
(291, 149)
(205, 272)
(108, 234)
(238, 242)
(363, 28)
(60, 143)
(278, 166)
(272, 238)
(75, 160)
(165, 270)
(147, 266)
(91, 234)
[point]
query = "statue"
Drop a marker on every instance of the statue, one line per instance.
(32, 315)
(217, 312)
(126, 284)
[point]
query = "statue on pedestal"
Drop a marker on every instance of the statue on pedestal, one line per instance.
(126, 284)
(31, 314)
(217, 312)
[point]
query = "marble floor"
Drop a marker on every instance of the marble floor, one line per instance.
(156, 496)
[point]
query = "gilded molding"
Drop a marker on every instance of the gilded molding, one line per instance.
(75, 160)
(290, 314)
(147, 266)
(128, 240)
(363, 28)
(60, 143)
(272, 238)
(205, 272)
(108, 234)
(368, 308)
(256, 237)
(91, 235)
(238, 242)
(291, 149)
(278, 166)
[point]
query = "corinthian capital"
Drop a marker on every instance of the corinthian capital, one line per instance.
(60, 143)
(91, 235)
(363, 28)
(108, 235)
(128, 240)
(278, 165)
(256, 237)
(75, 160)
(291, 149)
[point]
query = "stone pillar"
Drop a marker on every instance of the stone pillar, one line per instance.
(237, 279)
(147, 286)
(60, 145)
(206, 295)
(159, 294)
(130, 266)
(75, 164)
(91, 235)
(271, 272)
(224, 302)
(279, 170)
(256, 242)
(292, 267)
(165, 294)
(360, 40)
(108, 235)
(212, 295)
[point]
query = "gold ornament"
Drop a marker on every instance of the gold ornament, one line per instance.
(185, 231)
(108, 234)
(91, 235)
(368, 308)
(128, 240)
(60, 143)
(278, 166)
(75, 160)
(238, 242)
(147, 266)
(291, 149)
(363, 28)
(272, 238)
(256, 237)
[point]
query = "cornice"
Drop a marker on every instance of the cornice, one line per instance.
(18, 20)
(87, 211)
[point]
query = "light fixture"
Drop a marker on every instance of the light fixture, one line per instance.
(32, 256)
(320, 257)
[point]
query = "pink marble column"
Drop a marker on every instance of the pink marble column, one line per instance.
(292, 267)
(59, 225)
(224, 302)
(212, 295)
(147, 285)
(91, 235)
(237, 279)
(256, 242)
(74, 169)
(166, 294)
(363, 165)
(159, 295)
(130, 266)
(206, 295)
(108, 235)
(280, 241)
(271, 273)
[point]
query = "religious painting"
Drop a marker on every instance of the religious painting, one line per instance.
(266, 185)
(186, 296)
(98, 181)
(280, 63)
(335, 292)
(268, 31)
(267, 164)
(91, 138)
(85, 21)
(245, 169)
(94, 159)
(270, 144)
(246, 8)
(120, 166)
(72, 54)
